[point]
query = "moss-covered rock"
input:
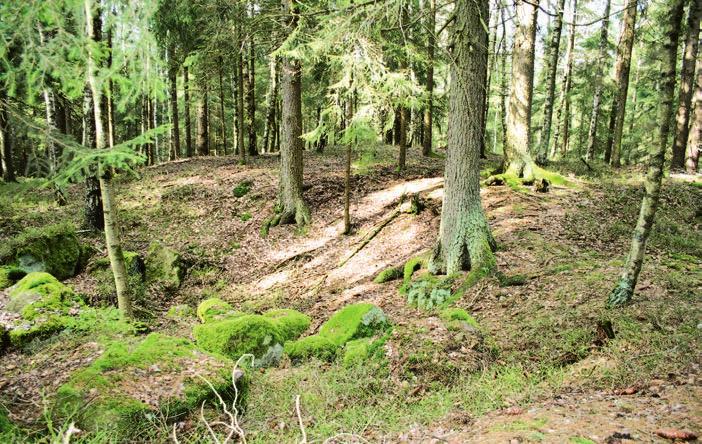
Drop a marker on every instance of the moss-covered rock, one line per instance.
(311, 346)
(164, 266)
(291, 323)
(357, 351)
(389, 274)
(354, 321)
(247, 334)
(9, 274)
(215, 309)
(455, 318)
(134, 380)
(44, 304)
(412, 265)
(180, 312)
(54, 249)
(136, 273)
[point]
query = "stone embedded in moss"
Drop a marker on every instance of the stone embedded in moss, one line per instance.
(215, 309)
(354, 321)
(136, 274)
(180, 312)
(54, 249)
(9, 274)
(164, 266)
(454, 318)
(247, 334)
(311, 346)
(389, 274)
(291, 323)
(133, 380)
(45, 305)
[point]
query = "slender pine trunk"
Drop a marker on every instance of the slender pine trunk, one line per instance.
(561, 138)
(427, 121)
(624, 290)
(251, 98)
(186, 111)
(599, 85)
(223, 121)
(175, 128)
(692, 154)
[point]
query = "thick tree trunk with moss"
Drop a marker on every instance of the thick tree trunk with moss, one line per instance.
(560, 139)
(114, 247)
(687, 78)
(624, 290)
(518, 161)
(551, 67)
(465, 242)
(428, 117)
(599, 85)
(621, 78)
(692, 153)
(292, 207)
(186, 111)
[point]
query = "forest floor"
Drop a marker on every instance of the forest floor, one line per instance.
(544, 371)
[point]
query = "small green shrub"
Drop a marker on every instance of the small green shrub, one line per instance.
(243, 188)
(245, 216)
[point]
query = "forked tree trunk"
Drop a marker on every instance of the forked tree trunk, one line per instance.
(114, 247)
(518, 159)
(186, 111)
(692, 154)
(551, 67)
(464, 240)
(687, 78)
(428, 117)
(560, 142)
(292, 207)
(599, 85)
(624, 290)
(621, 78)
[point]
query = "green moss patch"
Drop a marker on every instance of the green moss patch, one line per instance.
(180, 312)
(242, 189)
(291, 323)
(136, 272)
(54, 249)
(9, 274)
(44, 304)
(215, 309)
(354, 321)
(164, 266)
(454, 318)
(311, 346)
(247, 334)
(389, 274)
(134, 380)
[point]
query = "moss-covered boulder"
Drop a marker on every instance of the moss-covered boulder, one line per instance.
(458, 319)
(354, 321)
(311, 346)
(180, 312)
(291, 323)
(134, 380)
(54, 249)
(247, 334)
(164, 266)
(215, 309)
(9, 275)
(44, 306)
(389, 274)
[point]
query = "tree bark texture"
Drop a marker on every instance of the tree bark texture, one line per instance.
(599, 85)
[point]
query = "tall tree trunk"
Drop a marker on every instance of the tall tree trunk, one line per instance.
(292, 206)
(624, 290)
(110, 100)
(186, 111)
(504, 86)
(271, 99)
(94, 217)
(599, 85)
(465, 242)
(551, 67)
(561, 138)
(203, 148)
(492, 57)
(518, 159)
(621, 78)
(114, 247)
(240, 97)
(427, 121)
(347, 175)
(692, 154)
(175, 128)
(221, 108)
(51, 146)
(687, 77)
(404, 111)
(251, 96)
(8, 167)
